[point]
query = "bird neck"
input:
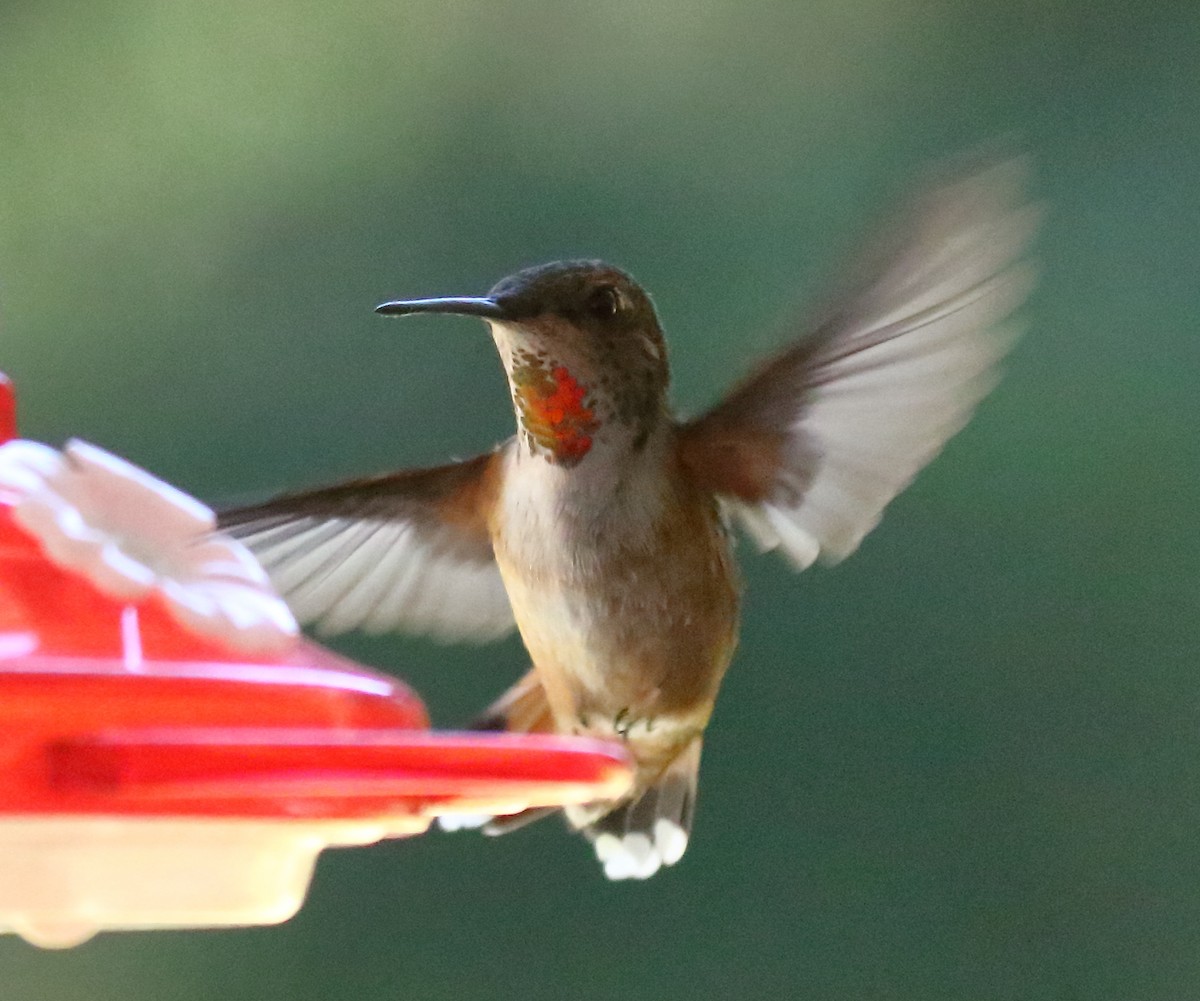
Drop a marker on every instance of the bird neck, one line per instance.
(578, 411)
(556, 413)
(614, 493)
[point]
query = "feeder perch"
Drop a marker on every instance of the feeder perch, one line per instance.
(172, 752)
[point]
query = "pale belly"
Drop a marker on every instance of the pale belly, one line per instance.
(626, 624)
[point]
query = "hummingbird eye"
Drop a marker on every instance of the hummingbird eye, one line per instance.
(604, 302)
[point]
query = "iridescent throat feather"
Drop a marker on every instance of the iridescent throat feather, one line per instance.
(554, 413)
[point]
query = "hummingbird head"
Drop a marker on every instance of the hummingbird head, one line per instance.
(584, 353)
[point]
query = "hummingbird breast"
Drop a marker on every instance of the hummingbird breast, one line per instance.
(623, 587)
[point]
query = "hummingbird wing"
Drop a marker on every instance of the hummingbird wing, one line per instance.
(809, 449)
(407, 551)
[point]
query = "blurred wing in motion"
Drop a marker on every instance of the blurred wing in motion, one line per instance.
(810, 448)
(409, 551)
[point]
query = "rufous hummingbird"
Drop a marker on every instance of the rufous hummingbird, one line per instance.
(600, 528)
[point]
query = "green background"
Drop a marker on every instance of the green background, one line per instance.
(963, 765)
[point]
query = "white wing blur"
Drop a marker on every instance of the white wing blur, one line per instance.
(809, 450)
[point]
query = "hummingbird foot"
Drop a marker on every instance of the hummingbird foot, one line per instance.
(623, 726)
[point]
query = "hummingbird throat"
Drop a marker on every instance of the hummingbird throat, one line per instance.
(556, 415)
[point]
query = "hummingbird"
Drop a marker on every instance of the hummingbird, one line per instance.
(603, 528)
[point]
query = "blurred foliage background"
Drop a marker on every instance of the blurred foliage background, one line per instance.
(963, 765)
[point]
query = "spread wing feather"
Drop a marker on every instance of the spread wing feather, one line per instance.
(409, 551)
(809, 449)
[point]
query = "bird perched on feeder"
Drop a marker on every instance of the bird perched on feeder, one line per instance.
(599, 529)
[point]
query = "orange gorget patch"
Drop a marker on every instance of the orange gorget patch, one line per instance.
(553, 413)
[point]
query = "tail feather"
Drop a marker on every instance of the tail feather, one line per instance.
(639, 837)
(515, 821)
(521, 709)
(634, 839)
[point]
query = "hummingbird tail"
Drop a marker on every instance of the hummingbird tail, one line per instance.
(640, 836)
(521, 709)
(633, 840)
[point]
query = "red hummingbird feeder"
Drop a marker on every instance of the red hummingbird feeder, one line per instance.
(172, 752)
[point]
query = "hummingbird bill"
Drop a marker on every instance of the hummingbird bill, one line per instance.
(603, 530)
